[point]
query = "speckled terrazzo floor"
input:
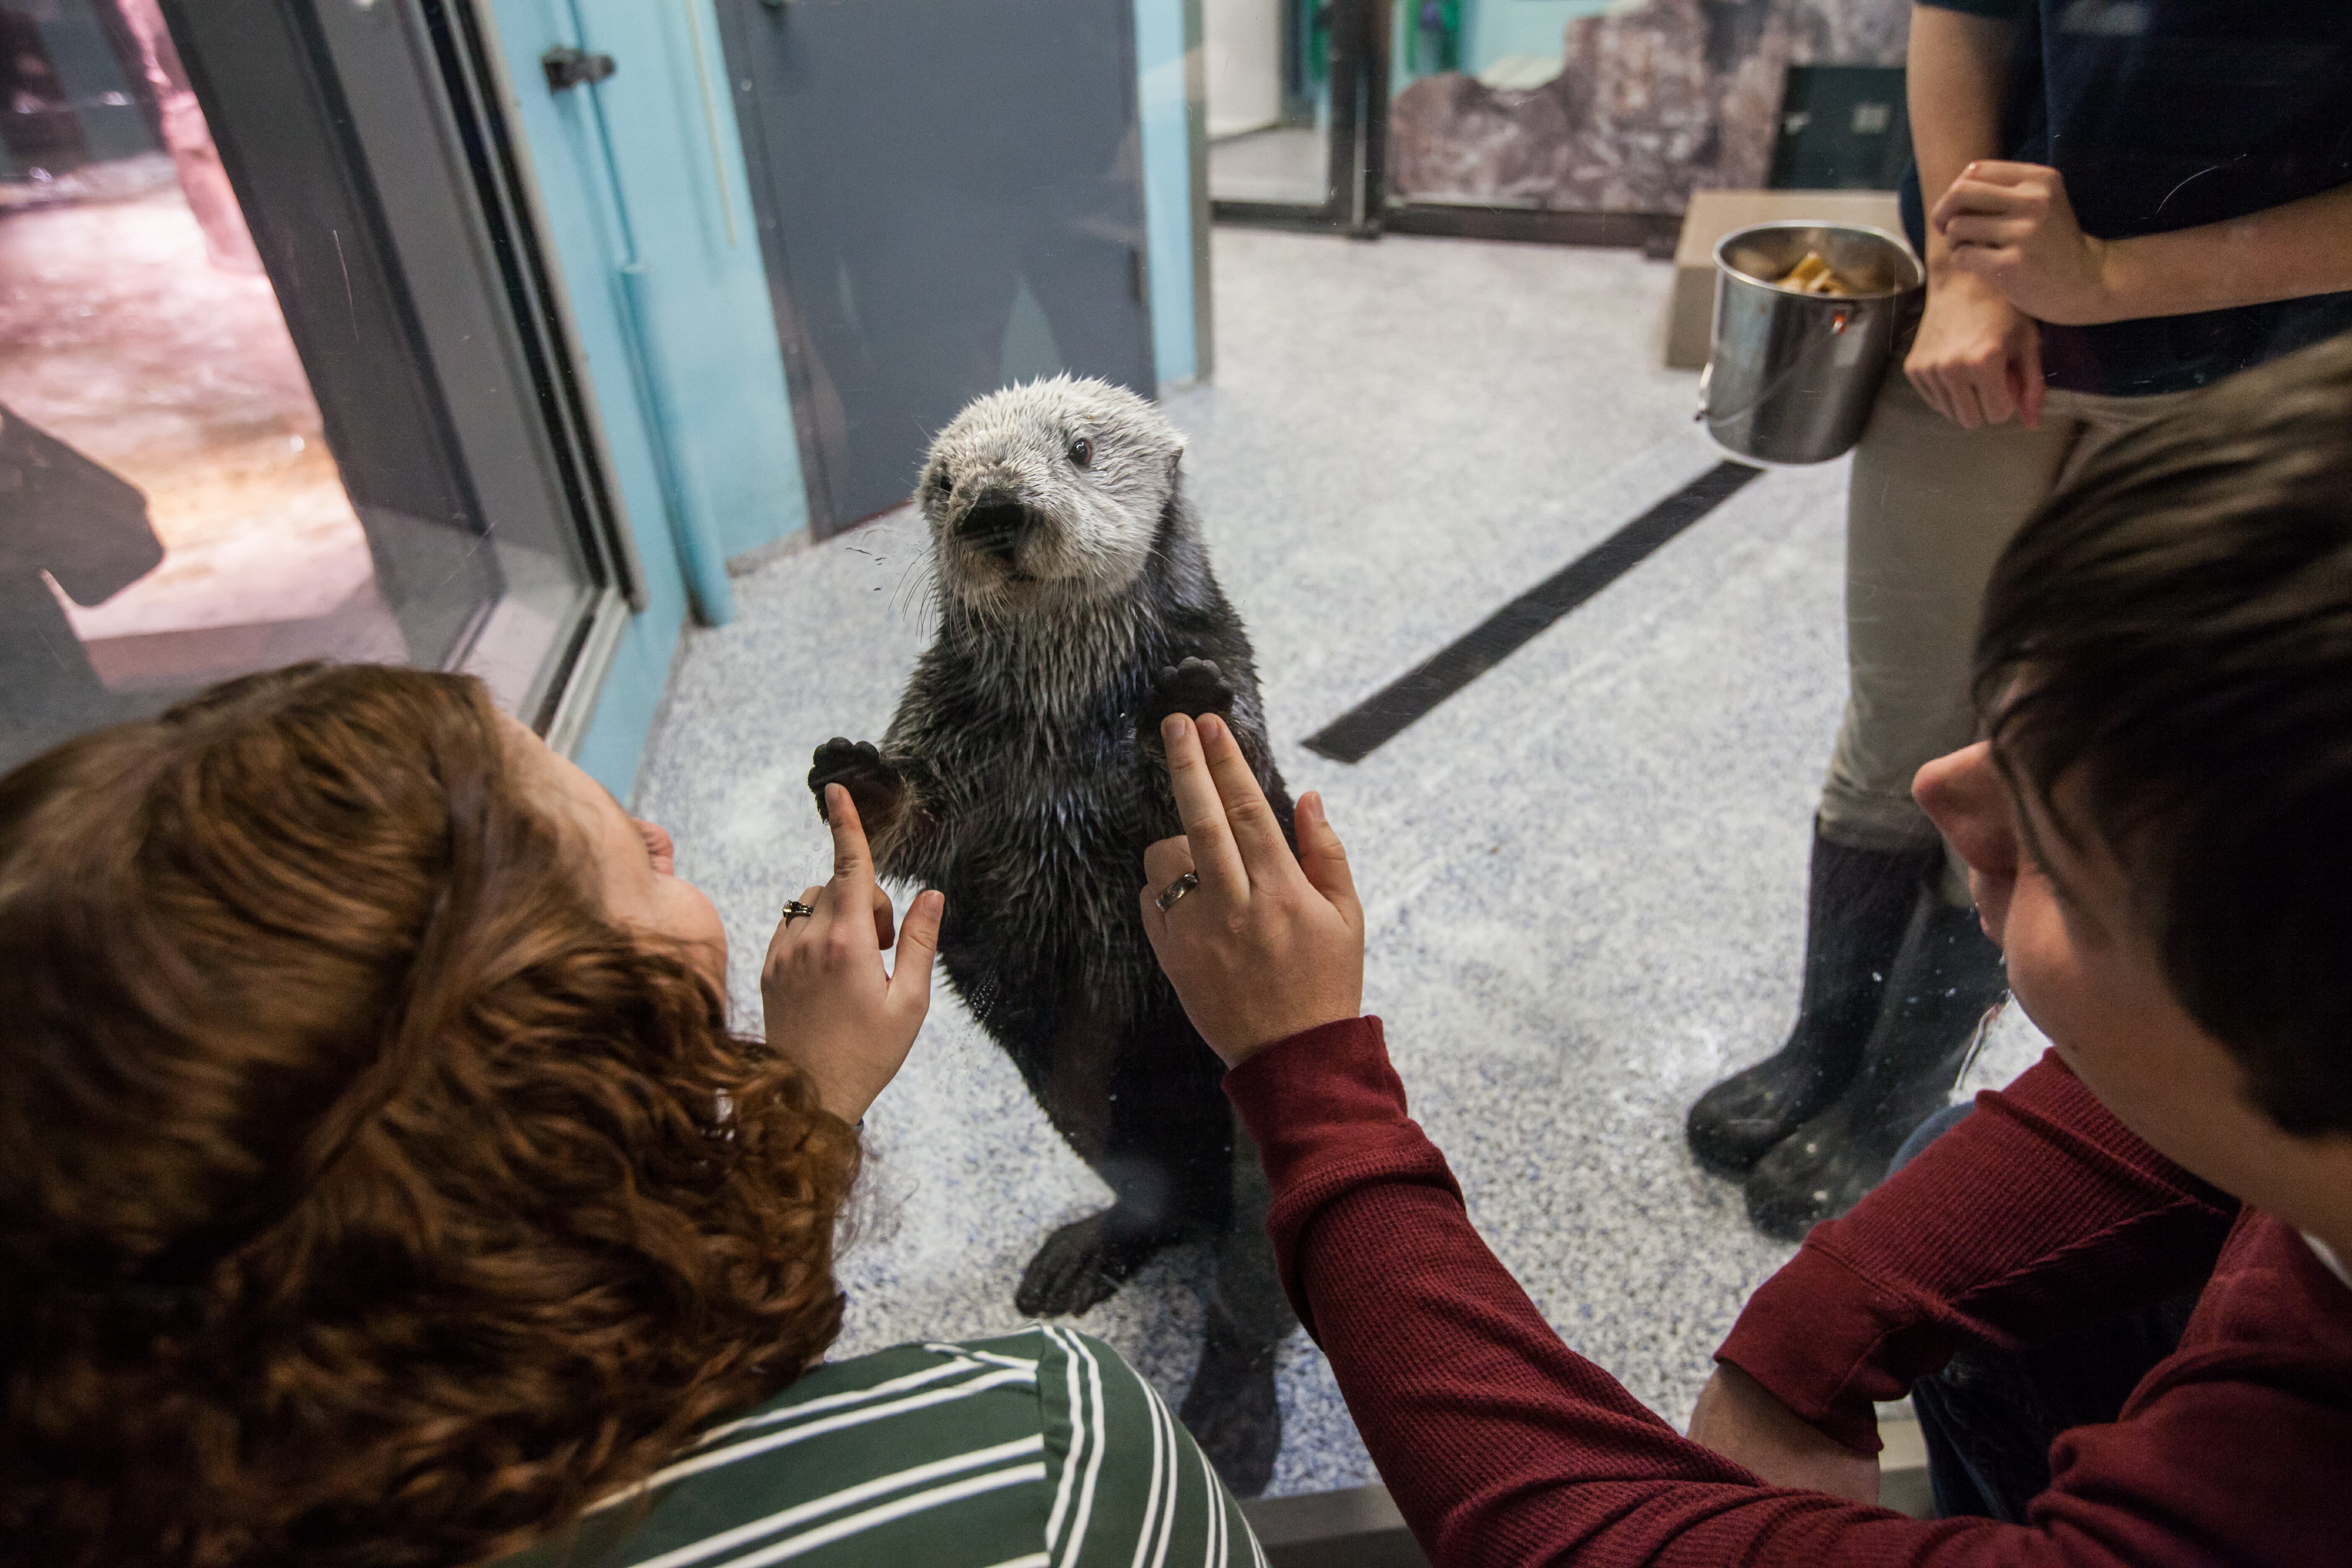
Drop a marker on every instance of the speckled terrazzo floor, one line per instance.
(1583, 874)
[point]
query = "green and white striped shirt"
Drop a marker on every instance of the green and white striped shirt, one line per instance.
(1040, 1449)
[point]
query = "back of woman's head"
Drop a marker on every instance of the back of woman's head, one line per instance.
(365, 1194)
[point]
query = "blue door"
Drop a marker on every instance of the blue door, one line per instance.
(950, 198)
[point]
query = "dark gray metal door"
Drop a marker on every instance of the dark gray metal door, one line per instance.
(951, 199)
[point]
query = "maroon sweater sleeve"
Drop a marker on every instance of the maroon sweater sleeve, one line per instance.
(1500, 1443)
(2040, 1213)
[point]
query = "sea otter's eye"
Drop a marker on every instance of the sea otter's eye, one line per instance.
(942, 481)
(1082, 451)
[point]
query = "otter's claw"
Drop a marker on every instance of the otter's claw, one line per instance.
(873, 785)
(1193, 687)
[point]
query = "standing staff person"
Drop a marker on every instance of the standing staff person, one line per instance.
(2125, 200)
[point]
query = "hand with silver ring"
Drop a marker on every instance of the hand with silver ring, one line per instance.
(1280, 949)
(831, 1006)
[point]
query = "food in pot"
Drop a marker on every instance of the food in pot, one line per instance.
(1815, 276)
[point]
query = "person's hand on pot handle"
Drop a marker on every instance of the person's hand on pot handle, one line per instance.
(1266, 944)
(829, 1005)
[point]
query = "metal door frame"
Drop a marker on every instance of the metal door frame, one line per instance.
(1356, 180)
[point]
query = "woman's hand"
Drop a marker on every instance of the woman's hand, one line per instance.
(1978, 358)
(829, 1004)
(1268, 944)
(2011, 225)
(1738, 1418)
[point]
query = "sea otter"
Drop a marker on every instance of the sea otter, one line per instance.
(1023, 776)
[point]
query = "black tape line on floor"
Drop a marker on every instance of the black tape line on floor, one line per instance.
(1380, 718)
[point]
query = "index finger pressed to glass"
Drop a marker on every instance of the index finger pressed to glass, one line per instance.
(853, 858)
(1201, 808)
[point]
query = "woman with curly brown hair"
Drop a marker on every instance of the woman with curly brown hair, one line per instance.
(381, 1183)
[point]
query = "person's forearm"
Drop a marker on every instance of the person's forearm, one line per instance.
(1958, 72)
(2280, 253)
(1499, 1443)
(2039, 1213)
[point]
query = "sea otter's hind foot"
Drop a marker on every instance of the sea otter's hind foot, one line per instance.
(1085, 1261)
(1193, 687)
(873, 785)
(1231, 1410)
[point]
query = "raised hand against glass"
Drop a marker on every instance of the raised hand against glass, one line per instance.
(1259, 944)
(829, 1002)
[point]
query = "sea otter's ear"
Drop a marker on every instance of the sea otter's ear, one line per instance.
(1175, 459)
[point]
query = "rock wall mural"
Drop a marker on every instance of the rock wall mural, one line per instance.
(1653, 101)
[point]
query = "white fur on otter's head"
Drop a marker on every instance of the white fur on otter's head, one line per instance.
(1045, 496)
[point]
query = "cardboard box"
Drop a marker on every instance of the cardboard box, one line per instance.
(1690, 315)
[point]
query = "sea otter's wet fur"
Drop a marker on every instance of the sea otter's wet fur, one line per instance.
(1021, 775)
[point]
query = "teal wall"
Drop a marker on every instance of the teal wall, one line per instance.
(679, 162)
(1167, 184)
(650, 218)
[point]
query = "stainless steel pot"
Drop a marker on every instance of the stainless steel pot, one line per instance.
(1790, 377)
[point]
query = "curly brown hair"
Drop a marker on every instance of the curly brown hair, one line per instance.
(366, 1197)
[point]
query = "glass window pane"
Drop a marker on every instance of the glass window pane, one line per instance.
(174, 510)
(1614, 596)
(144, 340)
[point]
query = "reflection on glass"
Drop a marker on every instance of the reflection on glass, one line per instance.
(1268, 71)
(174, 516)
(1626, 108)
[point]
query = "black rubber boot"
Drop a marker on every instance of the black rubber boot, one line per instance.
(1856, 910)
(1949, 974)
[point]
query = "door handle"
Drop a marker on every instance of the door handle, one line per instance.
(567, 67)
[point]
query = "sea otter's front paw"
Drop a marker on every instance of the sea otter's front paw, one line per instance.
(1193, 687)
(873, 785)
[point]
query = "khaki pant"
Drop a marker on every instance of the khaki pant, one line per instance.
(1929, 508)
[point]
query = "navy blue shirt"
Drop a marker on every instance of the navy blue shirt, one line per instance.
(2171, 114)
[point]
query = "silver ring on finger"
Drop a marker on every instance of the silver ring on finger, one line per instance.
(1175, 890)
(794, 910)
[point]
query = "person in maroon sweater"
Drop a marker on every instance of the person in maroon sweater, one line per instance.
(2157, 831)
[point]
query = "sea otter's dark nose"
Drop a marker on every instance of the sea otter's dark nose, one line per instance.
(995, 523)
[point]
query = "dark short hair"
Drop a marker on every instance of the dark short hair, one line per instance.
(366, 1197)
(2174, 628)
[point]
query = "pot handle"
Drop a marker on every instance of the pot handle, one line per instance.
(1837, 325)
